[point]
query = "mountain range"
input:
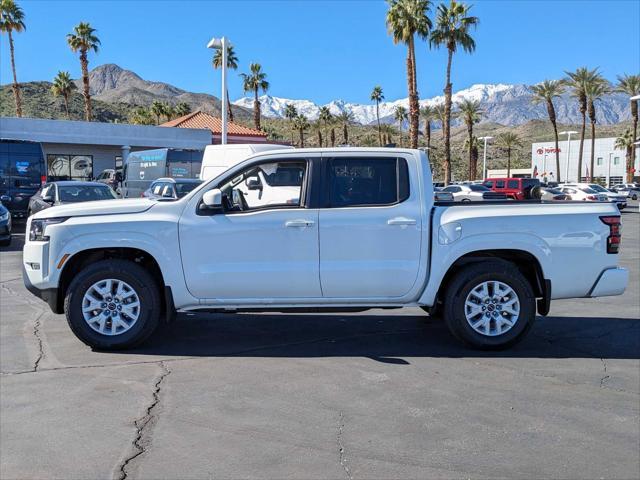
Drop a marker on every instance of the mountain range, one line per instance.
(501, 103)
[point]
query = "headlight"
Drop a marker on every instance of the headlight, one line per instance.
(38, 226)
(4, 216)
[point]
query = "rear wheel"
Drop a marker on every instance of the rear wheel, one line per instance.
(489, 305)
(113, 304)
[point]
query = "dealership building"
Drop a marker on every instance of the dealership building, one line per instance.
(610, 164)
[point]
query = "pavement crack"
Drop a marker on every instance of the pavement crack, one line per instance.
(36, 333)
(605, 377)
(143, 426)
(343, 458)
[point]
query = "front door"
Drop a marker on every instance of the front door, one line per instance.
(253, 251)
(371, 228)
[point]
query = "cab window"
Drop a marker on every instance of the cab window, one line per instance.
(512, 184)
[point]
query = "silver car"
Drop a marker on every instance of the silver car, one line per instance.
(473, 193)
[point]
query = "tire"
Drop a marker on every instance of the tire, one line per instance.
(466, 200)
(133, 332)
(634, 197)
(473, 277)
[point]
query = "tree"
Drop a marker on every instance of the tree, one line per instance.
(253, 82)
(290, 113)
(406, 19)
(317, 126)
(168, 111)
(440, 114)
(577, 81)
(429, 114)
(326, 118)
(232, 63)
(63, 86)
(453, 24)
(157, 109)
(472, 145)
(12, 20)
(630, 84)
(82, 40)
(545, 92)
(181, 109)
(345, 118)
(400, 115)
(471, 113)
(142, 116)
(626, 142)
(301, 123)
(377, 96)
(387, 133)
(508, 141)
(595, 89)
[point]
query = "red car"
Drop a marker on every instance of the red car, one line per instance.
(516, 188)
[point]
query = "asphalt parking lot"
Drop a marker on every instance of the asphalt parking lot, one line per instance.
(373, 395)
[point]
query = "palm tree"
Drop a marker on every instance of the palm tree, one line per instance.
(595, 90)
(377, 96)
(508, 141)
(326, 118)
(545, 92)
(429, 114)
(626, 142)
(472, 145)
(168, 111)
(181, 109)
(253, 82)
(405, 20)
(63, 86)
(578, 81)
(301, 123)
(387, 132)
(440, 114)
(345, 118)
(630, 84)
(82, 40)
(12, 20)
(471, 113)
(232, 63)
(142, 116)
(157, 109)
(290, 113)
(400, 115)
(453, 24)
(317, 126)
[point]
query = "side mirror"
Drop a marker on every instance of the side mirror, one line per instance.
(254, 183)
(47, 199)
(212, 199)
(5, 198)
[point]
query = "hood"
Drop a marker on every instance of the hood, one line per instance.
(100, 207)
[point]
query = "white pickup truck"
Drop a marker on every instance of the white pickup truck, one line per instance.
(361, 231)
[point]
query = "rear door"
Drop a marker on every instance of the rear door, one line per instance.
(370, 227)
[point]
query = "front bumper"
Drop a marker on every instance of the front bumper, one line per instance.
(612, 281)
(49, 295)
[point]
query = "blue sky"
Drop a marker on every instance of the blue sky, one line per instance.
(325, 50)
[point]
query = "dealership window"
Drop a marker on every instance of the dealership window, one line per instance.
(616, 160)
(69, 167)
(599, 161)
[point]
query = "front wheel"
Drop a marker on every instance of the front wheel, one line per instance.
(489, 305)
(112, 305)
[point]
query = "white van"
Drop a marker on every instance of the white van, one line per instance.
(218, 158)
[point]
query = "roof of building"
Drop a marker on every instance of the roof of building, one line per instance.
(200, 119)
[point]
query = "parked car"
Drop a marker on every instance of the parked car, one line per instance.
(22, 173)
(472, 193)
(584, 194)
(5, 226)
(515, 188)
(631, 190)
(112, 178)
(553, 194)
(440, 196)
(619, 199)
(68, 191)
(171, 188)
(219, 158)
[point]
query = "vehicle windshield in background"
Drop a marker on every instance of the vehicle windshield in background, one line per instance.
(84, 193)
(588, 190)
(554, 191)
(597, 188)
(283, 176)
(183, 188)
(479, 188)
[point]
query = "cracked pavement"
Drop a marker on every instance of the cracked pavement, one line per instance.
(374, 395)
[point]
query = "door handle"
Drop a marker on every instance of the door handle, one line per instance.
(401, 221)
(298, 223)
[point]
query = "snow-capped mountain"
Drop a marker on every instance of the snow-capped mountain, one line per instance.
(501, 103)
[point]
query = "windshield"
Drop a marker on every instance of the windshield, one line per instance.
(183, 188)
(554, 191)
(588, 190)
(84, 193)
(597, 188)
(478, 188)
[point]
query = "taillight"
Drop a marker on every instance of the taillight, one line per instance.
(615, 229)
(592, 197)
(43, 179)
